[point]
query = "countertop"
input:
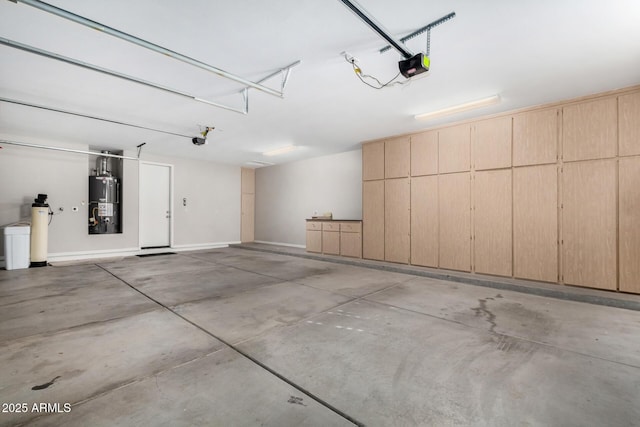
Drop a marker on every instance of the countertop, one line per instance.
(333, 220)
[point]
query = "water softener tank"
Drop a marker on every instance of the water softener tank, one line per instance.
(39, 231)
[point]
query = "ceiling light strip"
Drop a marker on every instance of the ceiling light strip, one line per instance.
(70, 150)
(459, 108)
(281, 150)
(144, 43)
(68, 60)
(57, 110)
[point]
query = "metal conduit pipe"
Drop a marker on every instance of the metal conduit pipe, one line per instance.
(143, 43)
(70, 150)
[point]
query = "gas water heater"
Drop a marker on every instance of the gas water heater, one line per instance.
(104, 199)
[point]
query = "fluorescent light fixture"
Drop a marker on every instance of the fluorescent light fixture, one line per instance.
(459, 108)
(281, 150)
(258, 163)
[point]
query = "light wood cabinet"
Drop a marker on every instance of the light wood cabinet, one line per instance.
(397, 159)
(373, 161)
(492, 222)
(629, 221)
(535, 137)
(247, 220)
(589, 224)
(397, 220)
(424, 153)
(454, 193)
(335, 237)
(314, 236)
(535, 223)
(248, 181)
(373, 220)
(424, 221)
(629, 124)
(548, 194)
(454, 149)
(492, 143)
(351, 239)
(247, 204)
(589, 130)
(331, 242)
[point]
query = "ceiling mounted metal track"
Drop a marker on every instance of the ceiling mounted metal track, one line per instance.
(51, 55)
(146, 44)
(421, 30)
(66, 59)
(87, 116)
(377, 27)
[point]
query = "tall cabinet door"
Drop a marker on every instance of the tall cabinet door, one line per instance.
(589, 130)
(247, 204)
(629, 124)
(535, 223)
(630, 224)
(397, 220)
(424, 221)
(454, 149)
(373, 220)
(373, 161)
(589, 224)
(424, 154)
(492, 222)
(397, 160)
(535, 137)
(492, 143)
(454, 205)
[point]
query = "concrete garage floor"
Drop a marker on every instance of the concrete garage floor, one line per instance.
(237, 337)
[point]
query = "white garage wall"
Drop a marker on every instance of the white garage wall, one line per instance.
(287, 194)
(211, 217)
(212, 214)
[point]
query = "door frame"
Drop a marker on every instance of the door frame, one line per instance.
(171, 206)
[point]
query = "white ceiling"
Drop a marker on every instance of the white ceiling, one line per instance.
(528, 52)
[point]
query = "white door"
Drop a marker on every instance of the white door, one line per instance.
(155, 205)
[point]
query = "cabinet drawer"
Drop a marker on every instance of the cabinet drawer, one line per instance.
(330, 226)
(351, 227)
(314, 225)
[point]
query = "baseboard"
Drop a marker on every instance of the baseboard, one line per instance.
(290, 245)
(201, 246)
(112, 253)
(82, 255)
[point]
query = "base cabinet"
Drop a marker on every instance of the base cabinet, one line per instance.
(335, 237)
(351, 245)
(331, 242)
(314, 237)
